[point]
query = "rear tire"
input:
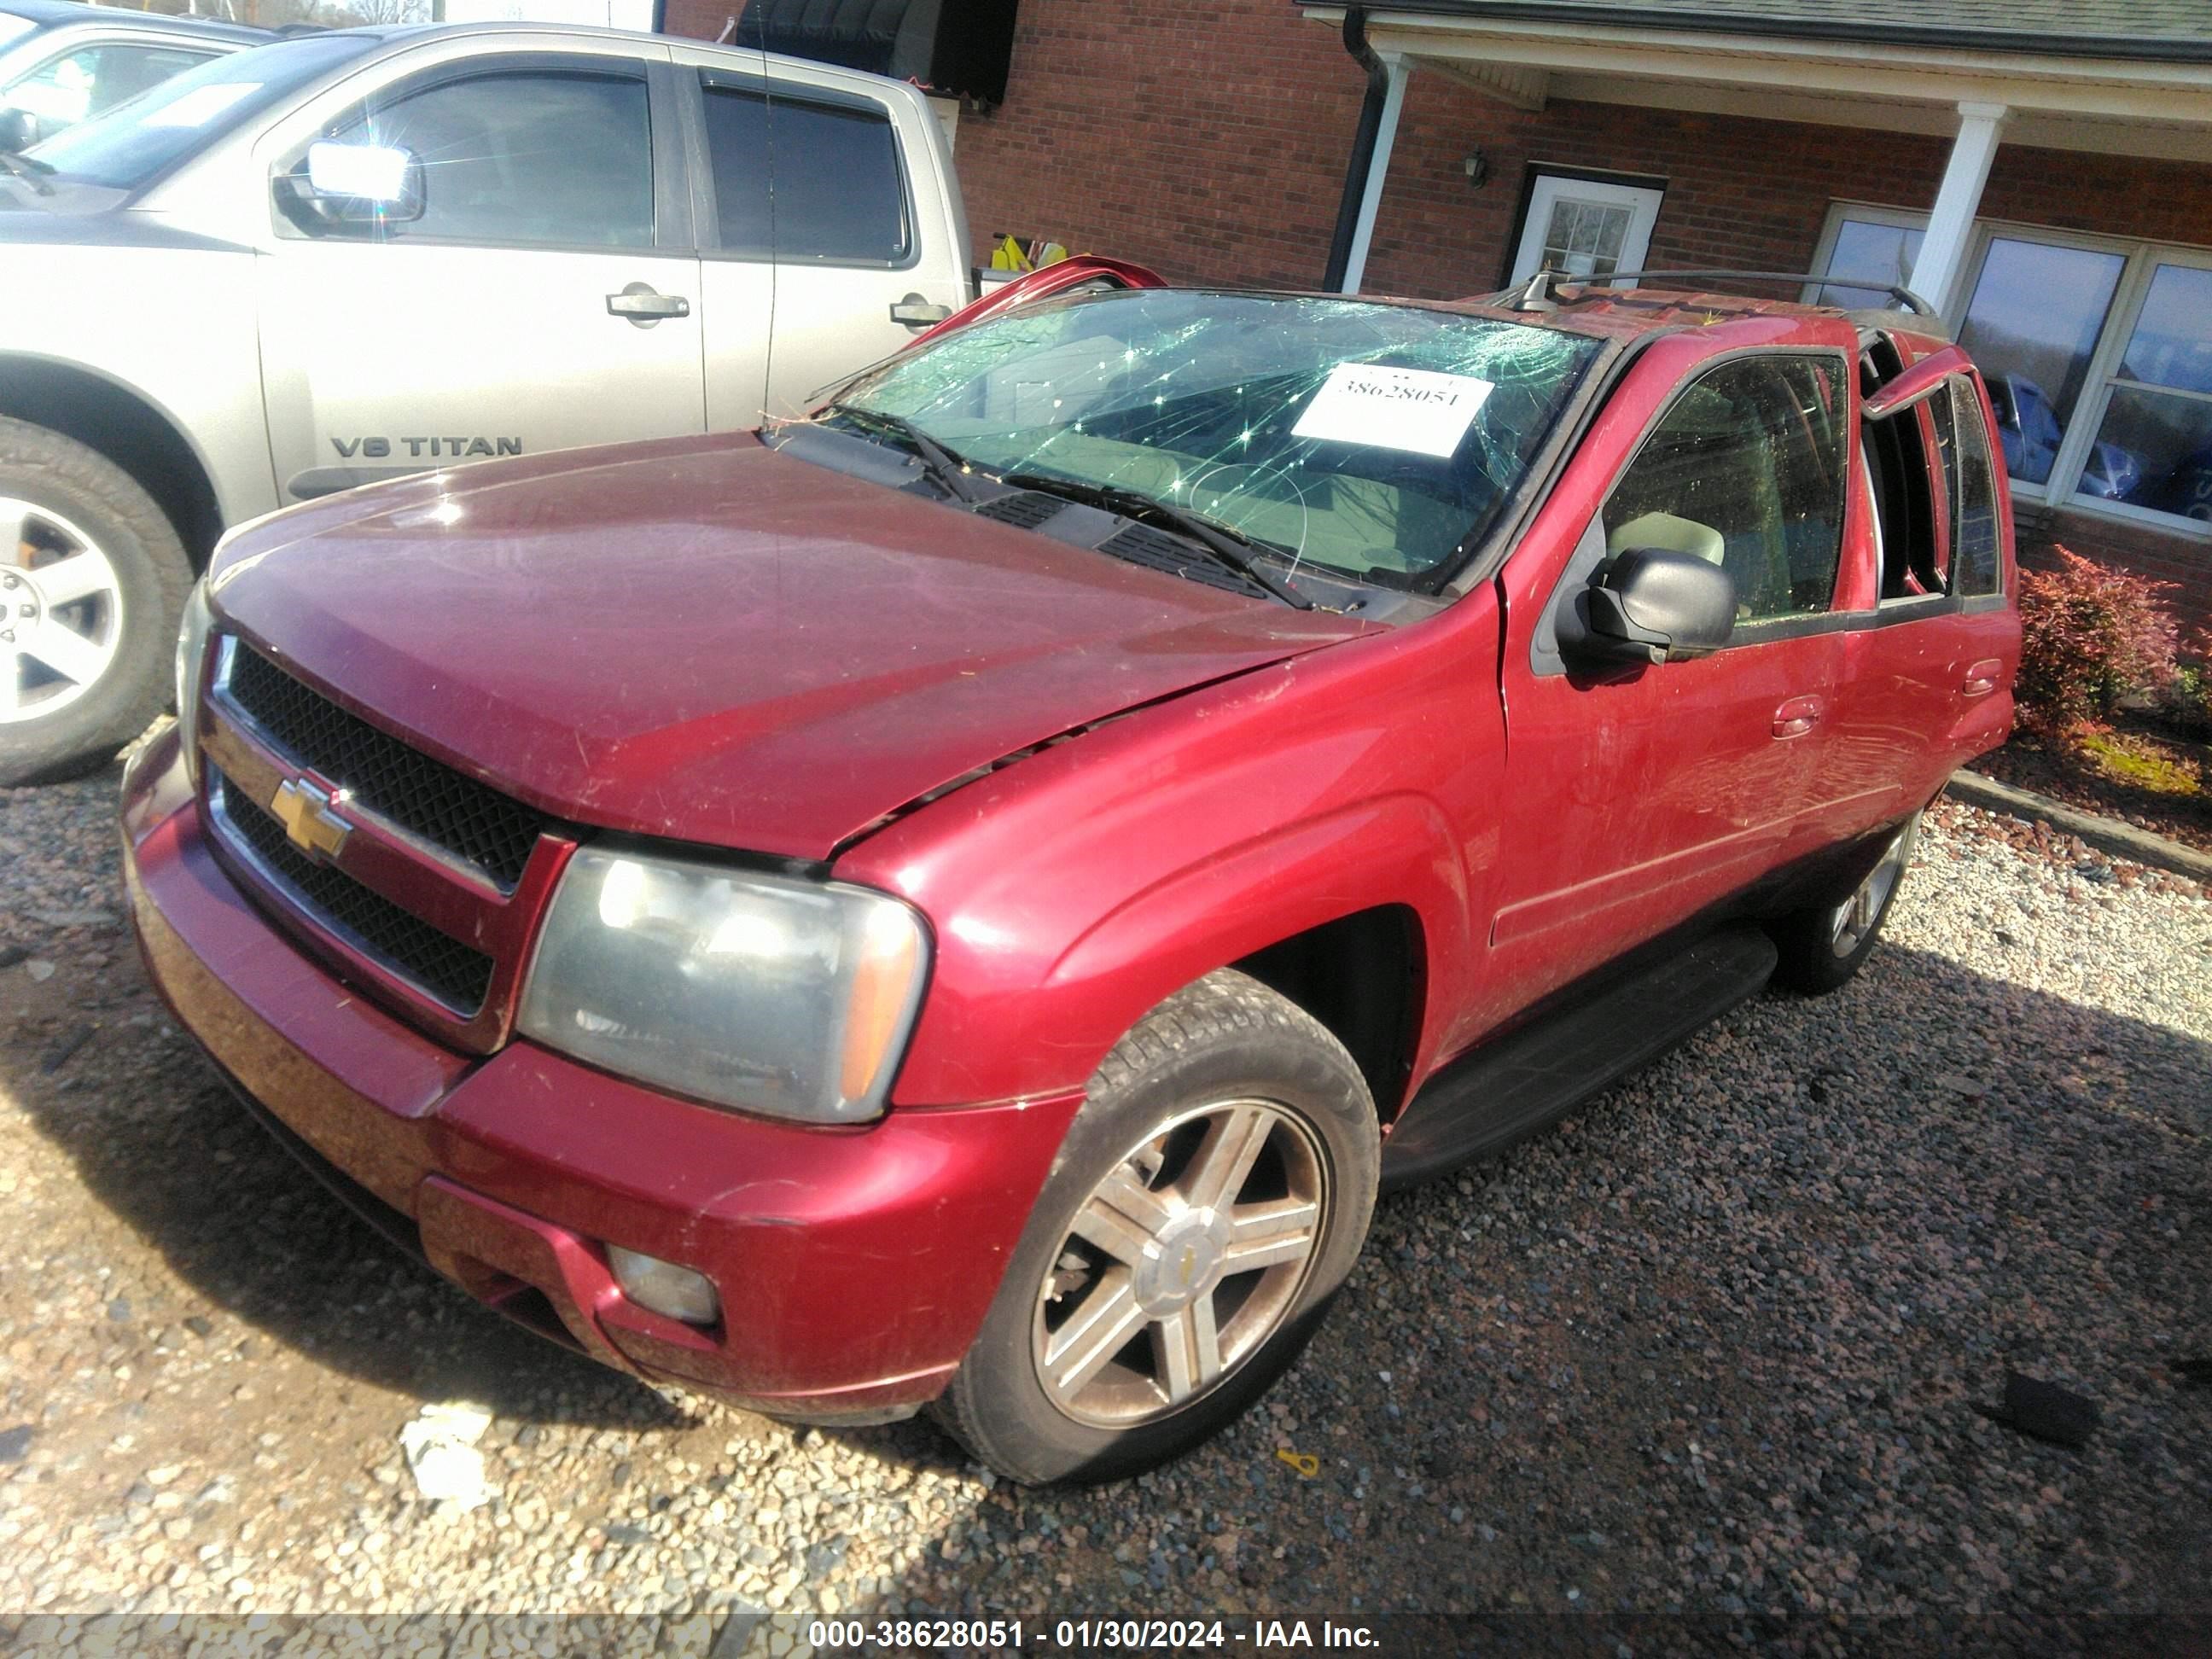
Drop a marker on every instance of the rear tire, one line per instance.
(93, 578)
(1821, 947)
(1227, 1157)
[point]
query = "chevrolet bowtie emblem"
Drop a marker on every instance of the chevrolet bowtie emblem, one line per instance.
(304, 812)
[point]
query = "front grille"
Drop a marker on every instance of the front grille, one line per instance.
(474, 823)
(405, 944)
(1157, 550)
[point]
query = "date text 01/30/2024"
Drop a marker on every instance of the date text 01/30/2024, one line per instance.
(1171, 1635)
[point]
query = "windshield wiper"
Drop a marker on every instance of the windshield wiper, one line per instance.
(31, 171)
(1228, 546)
(948, 471)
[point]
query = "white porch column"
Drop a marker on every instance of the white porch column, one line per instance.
(1371, 199)
(1942, 258)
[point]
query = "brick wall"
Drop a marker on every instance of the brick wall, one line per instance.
(1208, 138)
(2184, 561)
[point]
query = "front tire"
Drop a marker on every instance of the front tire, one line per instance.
(1212, 1195)
(93, 580)
(1820, 948)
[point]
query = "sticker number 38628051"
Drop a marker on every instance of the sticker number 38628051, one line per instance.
(1410, 409)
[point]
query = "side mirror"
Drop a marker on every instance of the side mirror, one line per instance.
(353, 184)
(1649, 606)
(19, 128)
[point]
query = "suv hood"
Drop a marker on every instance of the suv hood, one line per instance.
(707, 640)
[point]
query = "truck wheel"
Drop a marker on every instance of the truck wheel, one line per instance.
(1211, 1196)
(1821, 947)
(92, 579)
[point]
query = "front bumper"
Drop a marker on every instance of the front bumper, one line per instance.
(854, 1265)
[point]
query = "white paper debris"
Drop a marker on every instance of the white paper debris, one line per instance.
(439, 1443)
(1410, 409)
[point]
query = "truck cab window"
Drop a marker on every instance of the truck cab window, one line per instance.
(837, 194)
(549, 157)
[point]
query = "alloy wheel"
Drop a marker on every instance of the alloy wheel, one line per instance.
(61, 611)
(1186, 1257)
(1855, 917)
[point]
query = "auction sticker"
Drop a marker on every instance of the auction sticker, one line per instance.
(1410, 409)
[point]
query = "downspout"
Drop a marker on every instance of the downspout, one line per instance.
(1363, 146)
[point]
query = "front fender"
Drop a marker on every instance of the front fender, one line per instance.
(1077, 890)
(1394, 851)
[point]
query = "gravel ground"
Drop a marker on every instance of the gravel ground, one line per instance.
(1714, 1345)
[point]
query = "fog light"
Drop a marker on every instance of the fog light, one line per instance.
(665, 1288)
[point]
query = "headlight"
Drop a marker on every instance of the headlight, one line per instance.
(192, 671)
(762, 993)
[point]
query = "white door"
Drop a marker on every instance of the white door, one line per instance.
(527, 306)
(1585, 227)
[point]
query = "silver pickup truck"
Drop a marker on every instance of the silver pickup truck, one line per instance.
(348, 256)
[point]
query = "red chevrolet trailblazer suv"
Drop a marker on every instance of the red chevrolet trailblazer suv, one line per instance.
(963, 900)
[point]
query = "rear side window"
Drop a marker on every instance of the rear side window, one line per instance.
(1975, 564)
(795, 180)
(550, 157)
(1747, 469)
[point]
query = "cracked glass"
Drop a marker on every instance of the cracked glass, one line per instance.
(1375, 440)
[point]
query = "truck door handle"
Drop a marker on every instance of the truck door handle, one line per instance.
(644, 307)
(915, 312)
(1982, 678)
(1794, 718)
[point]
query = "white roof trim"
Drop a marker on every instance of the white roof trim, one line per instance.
(2071, 102)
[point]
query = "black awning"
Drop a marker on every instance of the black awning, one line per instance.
(954, 46)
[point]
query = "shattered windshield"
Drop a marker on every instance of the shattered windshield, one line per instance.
(1371, 439)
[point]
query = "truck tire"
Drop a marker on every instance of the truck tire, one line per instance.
(93, 580)
(1821, 947)
(1228, 1128)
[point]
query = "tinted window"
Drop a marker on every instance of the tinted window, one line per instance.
(528, 156)
(1974, 557)
(1747, 469)
(836, 189)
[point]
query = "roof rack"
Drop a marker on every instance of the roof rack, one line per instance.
(1537, 293)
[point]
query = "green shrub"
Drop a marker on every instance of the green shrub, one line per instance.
(2091, 635)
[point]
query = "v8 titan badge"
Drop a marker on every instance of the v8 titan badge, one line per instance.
(1410, 409)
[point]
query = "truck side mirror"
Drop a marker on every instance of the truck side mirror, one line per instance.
(19, 128)
(353, 184)
(1649, 606)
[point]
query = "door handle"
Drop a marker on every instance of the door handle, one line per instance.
(1982, 678)
(1794, 718)
(916, 312)
(644, 307)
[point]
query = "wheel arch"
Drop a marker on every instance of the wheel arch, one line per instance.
(1351, 917)
(1364, 976)
(136, 434)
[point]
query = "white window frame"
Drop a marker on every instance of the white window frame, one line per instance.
(1644, 199)
(2141, 260)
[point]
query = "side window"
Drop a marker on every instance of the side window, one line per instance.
(1975, 564)
(1747, 468)
(545, 156)
(836, 193)
(92, 80)
(1897, 453)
